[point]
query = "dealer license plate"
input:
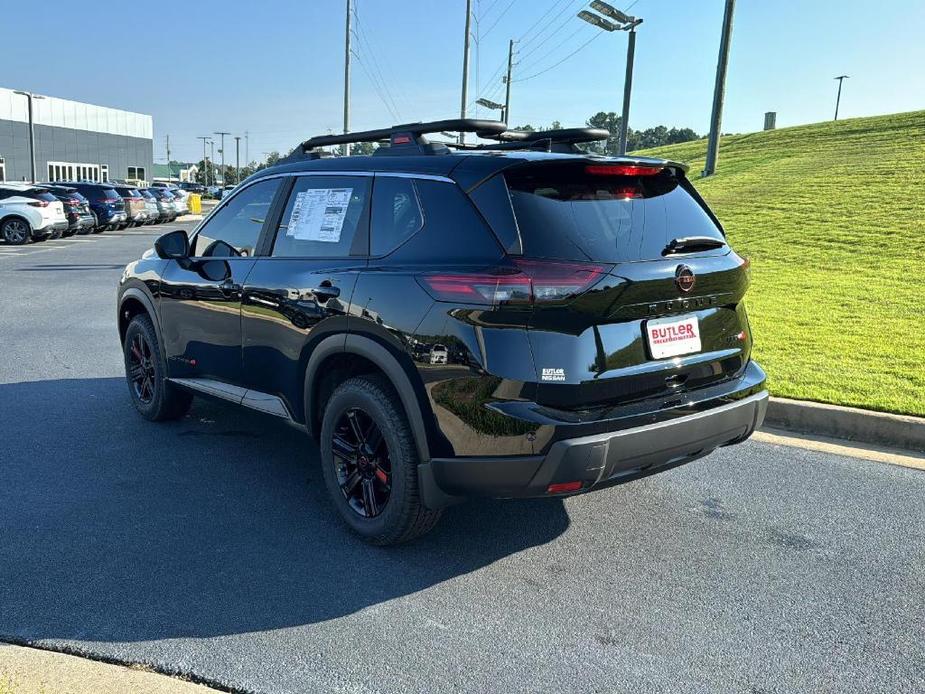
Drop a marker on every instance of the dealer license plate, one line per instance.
(670, 337)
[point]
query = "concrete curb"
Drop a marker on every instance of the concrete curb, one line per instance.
(853, 424)
(188, 218)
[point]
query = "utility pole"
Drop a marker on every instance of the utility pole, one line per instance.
(237, 159)
(169, 177)
(222, 152)
(30, 97)
(247, 149)
(506, 115)
(347, 77)
(205, 171)
(465, 70)
(840, 78)
(719, 91)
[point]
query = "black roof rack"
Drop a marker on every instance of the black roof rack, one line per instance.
(561, 140)
(408, 138)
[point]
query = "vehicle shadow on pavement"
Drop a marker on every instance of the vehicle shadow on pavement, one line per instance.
(113, 528)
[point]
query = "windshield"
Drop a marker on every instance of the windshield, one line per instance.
(577, 211)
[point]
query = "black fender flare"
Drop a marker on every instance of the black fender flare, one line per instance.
(431, 494)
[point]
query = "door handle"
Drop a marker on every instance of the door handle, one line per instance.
(326, 291)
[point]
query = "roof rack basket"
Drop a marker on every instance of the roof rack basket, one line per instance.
(408, 138)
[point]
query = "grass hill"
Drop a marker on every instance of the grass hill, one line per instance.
(832, 216)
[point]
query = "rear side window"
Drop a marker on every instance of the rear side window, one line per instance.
(396, 214)
(325, 217)
(454, 231)
(565, 211)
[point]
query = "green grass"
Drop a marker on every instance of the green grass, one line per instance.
(832, 216)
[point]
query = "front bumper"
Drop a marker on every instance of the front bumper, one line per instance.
(603, 459)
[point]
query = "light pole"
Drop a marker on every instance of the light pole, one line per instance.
(840, 78)
(719, 91)
(222, 151)
(618, 21)
(212, 160)
(29, 97)
(237, 159)
(205, 171)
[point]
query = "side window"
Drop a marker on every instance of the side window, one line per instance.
(396, 214)
(325, 217)
(234, 229)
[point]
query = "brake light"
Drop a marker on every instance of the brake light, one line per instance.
(622, 170)
(528, 282)
(38, 203)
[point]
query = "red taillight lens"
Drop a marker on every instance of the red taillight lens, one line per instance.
(563, 487)
(622, 170)
(38, 203)
(530, 281)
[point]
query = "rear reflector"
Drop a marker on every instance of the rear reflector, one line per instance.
(528, 282)
(622, 170)
(563, 487)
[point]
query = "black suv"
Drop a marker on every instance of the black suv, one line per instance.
(513, 319)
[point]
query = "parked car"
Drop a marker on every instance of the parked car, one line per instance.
(106, 204)
(594, 301)
(191, 187)
(29, 213)
(438, 354)
(151, 205)
(80, 218)
(225, 191)
(181, 198)
(135, 206)
(166, 205)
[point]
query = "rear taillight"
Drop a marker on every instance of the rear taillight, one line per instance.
(528, 282)
(38, 203)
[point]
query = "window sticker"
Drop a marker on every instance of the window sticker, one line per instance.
(318, 215)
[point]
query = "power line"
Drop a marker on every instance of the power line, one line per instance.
(378, 91)
(523, 37)
(555, 65)
(498, 19)
(570, 5)
(559, 45)
(362, 37)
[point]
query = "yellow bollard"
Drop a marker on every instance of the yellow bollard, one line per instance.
(195, 203)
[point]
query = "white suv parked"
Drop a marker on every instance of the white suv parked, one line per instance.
(28, 212)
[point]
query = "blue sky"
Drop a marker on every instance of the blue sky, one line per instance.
(275, 68)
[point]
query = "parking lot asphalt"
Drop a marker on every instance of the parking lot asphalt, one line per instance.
(207, 547)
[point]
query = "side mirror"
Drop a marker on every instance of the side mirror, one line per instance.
(173, 246)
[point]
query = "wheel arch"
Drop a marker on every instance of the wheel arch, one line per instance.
(365, 355)
(133, 302)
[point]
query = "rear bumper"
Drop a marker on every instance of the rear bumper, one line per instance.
(604, 459)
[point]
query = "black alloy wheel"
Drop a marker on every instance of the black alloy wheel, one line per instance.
(141, 369)
(362, 465)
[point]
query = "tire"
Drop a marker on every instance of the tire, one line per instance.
(15, 231)
(152, 395)
(398, 513)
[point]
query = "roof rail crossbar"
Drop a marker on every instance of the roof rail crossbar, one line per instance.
(406, 138)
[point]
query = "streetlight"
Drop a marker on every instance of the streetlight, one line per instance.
(840, 78)
(30, 96)
(494, 105)
(614, 20)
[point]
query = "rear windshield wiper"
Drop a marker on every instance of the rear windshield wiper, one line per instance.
(692, 244)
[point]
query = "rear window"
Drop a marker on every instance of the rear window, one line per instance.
(39, 194)
(105, 194)
(564, 211)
